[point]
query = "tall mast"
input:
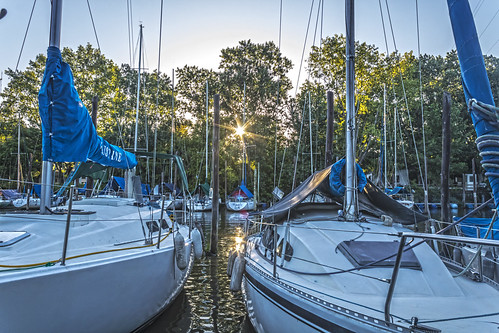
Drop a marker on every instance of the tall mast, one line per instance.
(384, 135)
(242, 137)
(310, 130)
(47, 166)
(138, 93)
(206, 148)
(395, 114)
(173, 124)
(350, 200)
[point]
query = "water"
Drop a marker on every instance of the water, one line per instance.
(206, 304)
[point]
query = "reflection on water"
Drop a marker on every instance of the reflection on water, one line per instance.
(207, 304)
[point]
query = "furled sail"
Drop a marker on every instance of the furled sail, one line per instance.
(68, 132)
(477, 90)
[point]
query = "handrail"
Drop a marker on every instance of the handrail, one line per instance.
(404, 235)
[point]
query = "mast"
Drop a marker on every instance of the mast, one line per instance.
(173, 124)
(138, 92)
(47, 166)
(350, 207)
(395, 148)
(206, 148)
(242, 137)
(384, 133)
(310, 130)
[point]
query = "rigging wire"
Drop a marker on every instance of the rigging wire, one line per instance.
(488, 24)
(93, 24)
(25, 34)
(425, 162)
(477, 7)
(304, 45)
(404, 93)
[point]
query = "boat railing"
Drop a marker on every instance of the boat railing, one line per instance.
(480, 242)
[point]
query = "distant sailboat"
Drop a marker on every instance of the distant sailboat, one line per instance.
(241, 198)
(201, 197)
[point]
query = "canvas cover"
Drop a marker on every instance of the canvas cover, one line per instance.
(68, 132)
(372, 200)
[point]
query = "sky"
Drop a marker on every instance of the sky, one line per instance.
(194, 32)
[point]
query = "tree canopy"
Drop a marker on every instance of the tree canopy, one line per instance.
(255, 92)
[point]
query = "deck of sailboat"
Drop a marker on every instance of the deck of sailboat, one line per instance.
(99, 226)
(426, 293)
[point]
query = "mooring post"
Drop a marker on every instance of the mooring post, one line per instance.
(215, 159)
(225, 183)
(329, 128)
(446, 139)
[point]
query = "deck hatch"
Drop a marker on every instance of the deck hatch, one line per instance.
(361, 253)
(10, 237)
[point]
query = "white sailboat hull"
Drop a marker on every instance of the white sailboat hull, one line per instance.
(237, 206)
(117, 295)
(111, 282)
(304, 297)
(201, 206)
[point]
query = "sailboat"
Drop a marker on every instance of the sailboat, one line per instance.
(201, 197)
(327, 268)
(401, 194)
(102, 264)
(241, 199)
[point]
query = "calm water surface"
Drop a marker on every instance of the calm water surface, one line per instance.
(206, 304)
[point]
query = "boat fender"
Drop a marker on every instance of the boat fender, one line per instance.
(198, 243)
(237, 272)
(180, 255)
(387, 220)
(457, 255)
(336, 186)
(230, 261)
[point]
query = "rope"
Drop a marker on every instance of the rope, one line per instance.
(53, 262)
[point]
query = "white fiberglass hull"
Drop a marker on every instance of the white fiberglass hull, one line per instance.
(113, 287)
(201, 206)
(304, 295)
(237, 206)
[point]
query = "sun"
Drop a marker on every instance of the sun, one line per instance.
(240, 131)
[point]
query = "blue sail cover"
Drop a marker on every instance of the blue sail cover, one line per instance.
(68, 132)
(474, 76)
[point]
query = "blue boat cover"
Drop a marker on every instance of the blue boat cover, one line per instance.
(470, 225)
(68, 132)
(337, 187)
(38, 190)
(242, 189)
(11, 194)
(474, 76)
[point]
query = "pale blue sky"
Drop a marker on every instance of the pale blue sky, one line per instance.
(195, 31)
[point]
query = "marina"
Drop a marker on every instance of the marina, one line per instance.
(363, 198)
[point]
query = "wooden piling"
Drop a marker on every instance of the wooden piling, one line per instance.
(329, 128)
(446, 139)
(215, 159)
